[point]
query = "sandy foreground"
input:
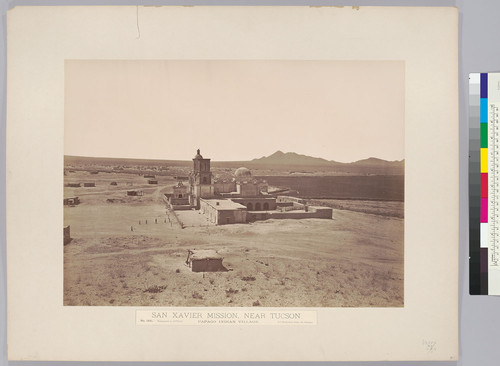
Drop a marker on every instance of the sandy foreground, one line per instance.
(116, 258)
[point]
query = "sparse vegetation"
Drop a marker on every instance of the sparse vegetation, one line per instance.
(197, 295)
(154, 289)
(230, 292)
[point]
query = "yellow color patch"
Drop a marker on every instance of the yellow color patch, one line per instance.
(484, 160)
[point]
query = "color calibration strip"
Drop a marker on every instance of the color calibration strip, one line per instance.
(484, 183)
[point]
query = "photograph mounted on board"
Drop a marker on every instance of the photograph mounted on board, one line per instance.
(234, 183)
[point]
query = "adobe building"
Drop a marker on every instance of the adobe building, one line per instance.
(135, 193)
(180, 198)
(222, 211)
(71, 201)
(224, 186)
(204, 261)
(66, 235)
(180, 195)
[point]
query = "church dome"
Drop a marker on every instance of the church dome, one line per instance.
(242, 172)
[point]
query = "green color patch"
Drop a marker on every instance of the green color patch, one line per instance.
(484, 135)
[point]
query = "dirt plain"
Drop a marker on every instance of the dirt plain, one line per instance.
(117, 258)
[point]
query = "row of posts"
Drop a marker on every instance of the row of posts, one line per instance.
(156, 222)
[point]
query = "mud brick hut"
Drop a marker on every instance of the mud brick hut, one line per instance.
(134, 193)
(71, 201)
(204, 261)
(67, 234)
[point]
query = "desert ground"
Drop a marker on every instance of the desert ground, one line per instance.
(131, 251)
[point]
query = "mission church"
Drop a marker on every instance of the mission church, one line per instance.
(238, 200)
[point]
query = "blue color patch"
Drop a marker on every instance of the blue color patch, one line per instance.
(484, 110)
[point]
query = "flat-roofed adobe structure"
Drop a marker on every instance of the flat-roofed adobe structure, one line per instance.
(71, 201)
(204, 261)
(222, 212)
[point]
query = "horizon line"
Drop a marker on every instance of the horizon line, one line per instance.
(233, 161)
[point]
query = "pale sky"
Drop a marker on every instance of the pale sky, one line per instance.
(234, 110)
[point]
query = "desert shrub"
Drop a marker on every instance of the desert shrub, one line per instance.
(154, 289)
(231, 291)
(256, 303)
(177, 270)
(197, 295)
(248, 278)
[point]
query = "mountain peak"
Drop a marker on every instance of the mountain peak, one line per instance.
(278, 153)
(279, 157)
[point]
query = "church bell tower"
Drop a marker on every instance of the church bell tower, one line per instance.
(201, 179)
(201, 169)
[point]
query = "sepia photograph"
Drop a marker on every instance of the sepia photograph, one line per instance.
(228, 176)
(234, 183)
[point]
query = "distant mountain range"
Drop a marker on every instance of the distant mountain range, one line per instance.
(291, 158)
(279, 161)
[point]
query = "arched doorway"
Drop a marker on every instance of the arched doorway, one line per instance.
(266, 206)
(257, 206)
(249, 207)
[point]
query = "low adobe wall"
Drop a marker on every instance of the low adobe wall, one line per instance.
(290, 199)
(313, 212)
(181, 207)
(257, 216)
